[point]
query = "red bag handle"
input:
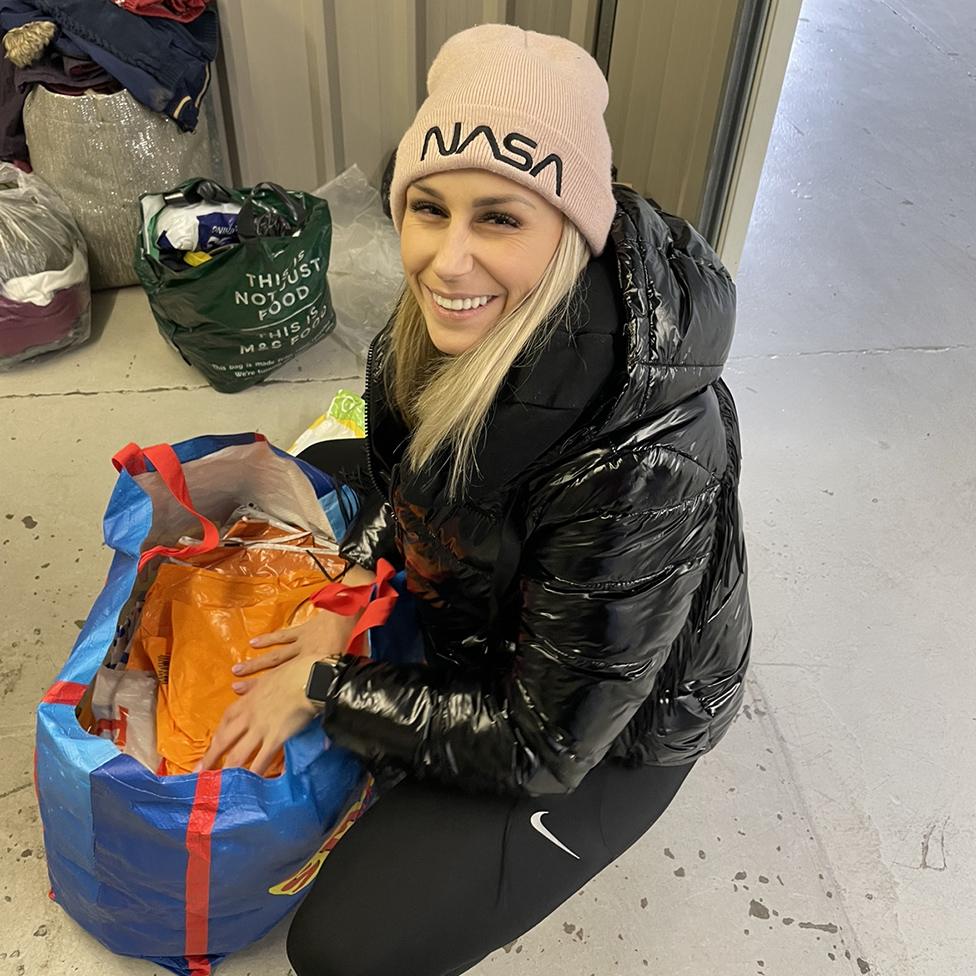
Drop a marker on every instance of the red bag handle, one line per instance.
(132, 458)
(346, 600)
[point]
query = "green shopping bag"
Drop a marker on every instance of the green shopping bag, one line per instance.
(254, 304)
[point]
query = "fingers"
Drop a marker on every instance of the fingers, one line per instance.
(246, 747)
(282, 653)
(241, 687)
(235, 742)
(265, 757)
(229, 731)
(287, 636)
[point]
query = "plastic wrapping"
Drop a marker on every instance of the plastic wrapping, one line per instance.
(365, 271)
(199, 616)
(345, 419)
(37, 233)
(166, 680)
(45, 300)
(123, 710)
(102, 152)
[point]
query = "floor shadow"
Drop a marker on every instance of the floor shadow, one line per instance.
(103, 304)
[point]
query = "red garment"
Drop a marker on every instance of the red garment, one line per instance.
(182, 10)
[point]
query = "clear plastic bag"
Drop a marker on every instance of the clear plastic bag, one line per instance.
(45, 296)
(36, 231)
(365, 270)
(123, 710)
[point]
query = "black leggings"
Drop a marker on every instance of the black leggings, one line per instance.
(430, 879)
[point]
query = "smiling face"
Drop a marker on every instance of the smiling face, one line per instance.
(473, 245)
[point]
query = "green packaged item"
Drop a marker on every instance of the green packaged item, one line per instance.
(258, 300)
(350, 410)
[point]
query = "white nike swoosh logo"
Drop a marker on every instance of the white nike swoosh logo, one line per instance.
(536, 821)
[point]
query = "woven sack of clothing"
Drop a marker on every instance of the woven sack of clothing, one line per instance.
(102, 152)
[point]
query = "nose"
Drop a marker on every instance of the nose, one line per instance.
(453, 258)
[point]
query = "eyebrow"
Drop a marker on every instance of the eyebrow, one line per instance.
(481, 201)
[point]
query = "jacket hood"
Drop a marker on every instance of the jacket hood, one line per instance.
(679, 303)
(653, 325)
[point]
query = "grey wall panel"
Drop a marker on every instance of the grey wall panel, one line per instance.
(667, 70)
(267, 78)
(575, 19)
(378, 67)
(312, 86)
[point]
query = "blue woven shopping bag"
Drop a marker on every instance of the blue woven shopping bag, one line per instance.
(182, 870)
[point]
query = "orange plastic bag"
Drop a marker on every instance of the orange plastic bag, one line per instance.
(198, 619)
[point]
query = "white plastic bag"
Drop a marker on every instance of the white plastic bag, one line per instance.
(344, 420)
(123, 709)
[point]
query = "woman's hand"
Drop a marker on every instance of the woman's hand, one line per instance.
(323, 635)
(271, 709)
(273, 706)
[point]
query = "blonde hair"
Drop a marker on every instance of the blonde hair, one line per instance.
(445, 400)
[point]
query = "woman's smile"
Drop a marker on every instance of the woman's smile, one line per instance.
(456, 315)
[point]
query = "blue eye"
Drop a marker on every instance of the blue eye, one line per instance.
(499, 219)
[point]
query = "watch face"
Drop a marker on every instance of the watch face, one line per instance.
(319, 681)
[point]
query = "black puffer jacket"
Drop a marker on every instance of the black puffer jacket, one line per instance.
(587, 598)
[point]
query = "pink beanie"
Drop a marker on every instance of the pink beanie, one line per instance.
(524, 105)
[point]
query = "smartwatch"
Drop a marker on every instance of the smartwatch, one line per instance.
(320, 680)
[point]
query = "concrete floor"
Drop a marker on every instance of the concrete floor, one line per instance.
(833, 830)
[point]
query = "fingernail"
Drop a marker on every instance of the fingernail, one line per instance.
(238, 668)
(239, 685)
(254, 642)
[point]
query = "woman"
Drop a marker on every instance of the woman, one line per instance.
(556, 467)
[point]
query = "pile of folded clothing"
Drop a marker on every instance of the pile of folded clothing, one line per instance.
(58, 73)
(161, 51)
